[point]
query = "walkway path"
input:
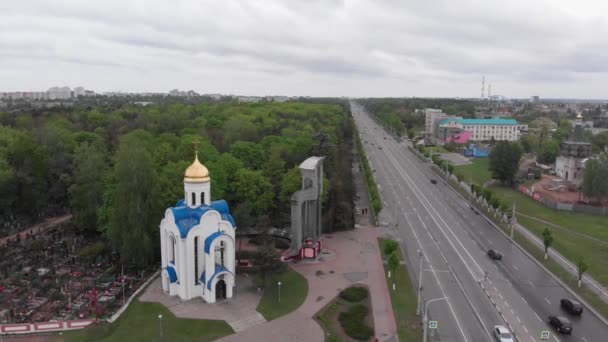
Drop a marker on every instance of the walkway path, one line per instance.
(37, 228)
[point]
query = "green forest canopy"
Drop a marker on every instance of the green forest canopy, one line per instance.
(96, 161)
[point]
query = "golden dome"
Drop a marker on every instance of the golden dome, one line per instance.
(197, 172)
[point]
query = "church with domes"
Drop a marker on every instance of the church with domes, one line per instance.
(197, 241)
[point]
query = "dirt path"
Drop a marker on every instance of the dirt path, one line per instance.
(45, 225)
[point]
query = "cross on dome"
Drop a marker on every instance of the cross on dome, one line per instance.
(196, 172)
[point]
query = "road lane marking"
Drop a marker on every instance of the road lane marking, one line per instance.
(529, 282)
(584, 339)
(425, 255)
(515, 267)
(547, 301)
(537, 316)
(525, 329)
(525, 301)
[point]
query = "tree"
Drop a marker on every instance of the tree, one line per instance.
(255, 189)
(595, 180)
(393, 263)
(86, 191)
(390, 246)
(249, 153)
(504, 161)
(549, 152)
(134, 210)
(581, 268)
(547, 240)
(267, 262)
(529, 143)
(600, 141)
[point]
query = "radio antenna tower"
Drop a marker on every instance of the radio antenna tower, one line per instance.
(483, 86)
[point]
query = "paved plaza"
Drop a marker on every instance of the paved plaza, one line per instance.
(239, 312)
(357, 260)
(455, 158)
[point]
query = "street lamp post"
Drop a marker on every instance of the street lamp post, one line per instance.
(279, 283)
(419, 283)
(425, 320)
(160, 324)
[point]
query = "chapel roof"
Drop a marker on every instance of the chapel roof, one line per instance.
(186, 218)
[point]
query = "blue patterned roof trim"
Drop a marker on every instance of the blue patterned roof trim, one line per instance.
(203, 278)
(222, 207)
(218, 269)
(172, 274)
(495, 121)
(186, 217)
(210, 238)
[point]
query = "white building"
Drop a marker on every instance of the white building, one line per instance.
(60, 93)
(79, 91)
(485, 129)
(431, 115)
(197, 239)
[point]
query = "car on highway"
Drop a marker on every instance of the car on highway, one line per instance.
(379, 147)
(502, 334)
(571, 306)
(561, 324)
(434, 181)
(494, 254)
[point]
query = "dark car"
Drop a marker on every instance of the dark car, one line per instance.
(496, 255)
(434, 181)
(561, 324)
(571, 306)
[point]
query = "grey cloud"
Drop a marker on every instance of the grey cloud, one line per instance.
(352, 45)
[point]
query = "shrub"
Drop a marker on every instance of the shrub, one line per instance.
(487, 194)
(495, 202)
(460, 177)
(353, 324)
(354, 294)
(390, 246)
(281, 244)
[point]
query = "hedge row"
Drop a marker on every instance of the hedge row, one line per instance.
(352, 321)
(376, 202)
(354, 294)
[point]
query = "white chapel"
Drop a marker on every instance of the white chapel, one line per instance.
(197, 241)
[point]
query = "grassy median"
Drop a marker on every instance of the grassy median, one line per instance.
(403, 300)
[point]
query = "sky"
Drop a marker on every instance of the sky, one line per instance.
(374, 48)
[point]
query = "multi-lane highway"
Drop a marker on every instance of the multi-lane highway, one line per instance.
(464, 291)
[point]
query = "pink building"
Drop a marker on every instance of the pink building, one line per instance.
(460, 138)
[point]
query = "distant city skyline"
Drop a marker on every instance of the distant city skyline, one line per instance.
(554, 49)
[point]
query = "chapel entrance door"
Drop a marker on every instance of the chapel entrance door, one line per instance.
(220, 289)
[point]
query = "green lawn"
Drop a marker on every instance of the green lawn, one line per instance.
(404, 302)
(140, 323)
(478, 171)
(572, 246)
(435, 149)
(294, 289)
(328, 318)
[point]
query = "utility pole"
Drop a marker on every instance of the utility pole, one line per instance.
(425, 320)
(419, 283)
(513, 220)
